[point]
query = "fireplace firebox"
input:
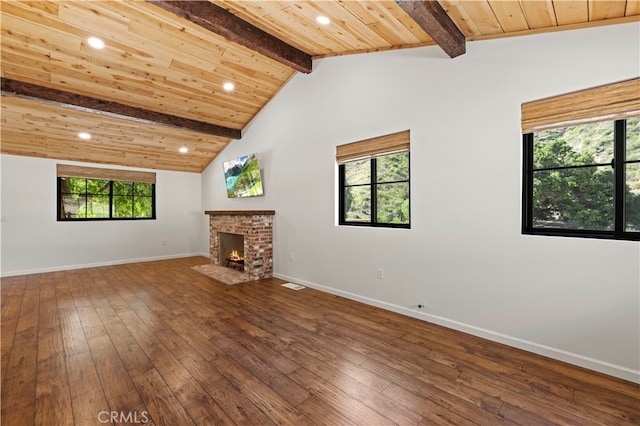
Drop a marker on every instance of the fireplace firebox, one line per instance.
(231, 250)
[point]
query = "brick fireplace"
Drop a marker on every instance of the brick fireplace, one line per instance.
(256, 226)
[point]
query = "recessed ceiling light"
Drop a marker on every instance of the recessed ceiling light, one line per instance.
(84, 135)
(183, 149)
(323, 20)
(95, 42)
(228, 86)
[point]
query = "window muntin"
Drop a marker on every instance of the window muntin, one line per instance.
(583, 180)
(99, 199)
(375, 191)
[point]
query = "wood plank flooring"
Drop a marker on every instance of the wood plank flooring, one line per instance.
(161, 344)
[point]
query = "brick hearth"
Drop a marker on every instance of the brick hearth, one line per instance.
(257, 228)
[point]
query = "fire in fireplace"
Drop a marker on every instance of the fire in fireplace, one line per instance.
(235, 256)
(231, 250)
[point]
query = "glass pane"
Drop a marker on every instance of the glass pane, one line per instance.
(633, 138)
(393, 203)
(122, 188)
(632, 198)
(97, 187)
(573, 146)
(574, 198)
(98, 206)
(393, 167)
(73, 206)
(142, 207)
(122, 206)
(357, 204)
(73, 185)
(357, 172)
(142, 189)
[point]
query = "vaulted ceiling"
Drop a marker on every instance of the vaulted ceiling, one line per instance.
(157, 85)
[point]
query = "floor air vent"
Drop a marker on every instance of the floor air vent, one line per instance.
(293, 286)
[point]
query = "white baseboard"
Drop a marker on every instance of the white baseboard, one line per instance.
(97, 264)
(550, 352)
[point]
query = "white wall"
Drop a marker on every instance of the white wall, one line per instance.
(464, 256)
(34, 241)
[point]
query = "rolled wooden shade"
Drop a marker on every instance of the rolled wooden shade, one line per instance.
(374, 147)
(603, 103)
(64, 170)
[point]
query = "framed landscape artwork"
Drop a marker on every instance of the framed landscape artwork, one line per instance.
(242, 177)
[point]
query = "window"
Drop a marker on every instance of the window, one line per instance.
(86, 193)
(581, 174)
(374, 182)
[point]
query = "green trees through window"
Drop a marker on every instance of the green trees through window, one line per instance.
(375, 191)
(584, 180)
(99, 199)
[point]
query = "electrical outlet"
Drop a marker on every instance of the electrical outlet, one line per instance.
(380, 273)
(290, 257)
(422, 307)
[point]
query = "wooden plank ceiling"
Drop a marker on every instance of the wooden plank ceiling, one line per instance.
(157, 85)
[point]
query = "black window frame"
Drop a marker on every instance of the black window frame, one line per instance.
(618, 164)
(373, 184)
(111, 196)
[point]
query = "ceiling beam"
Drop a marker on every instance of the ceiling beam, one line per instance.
(98, 106)
(220, 21)
(434, 20)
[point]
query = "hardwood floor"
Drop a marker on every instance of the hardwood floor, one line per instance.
(160, 343)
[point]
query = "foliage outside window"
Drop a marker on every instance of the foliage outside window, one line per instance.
(374, 181)
(375, 191)
(583, 180)
(107, 198)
